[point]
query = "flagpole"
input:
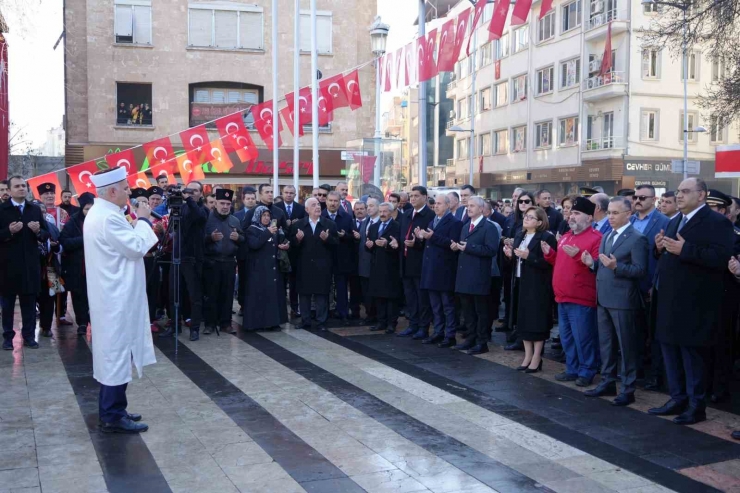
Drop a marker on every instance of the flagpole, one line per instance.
(422, 105)
(314, 96)
(275, 114)
(471, 149)
(296, 88)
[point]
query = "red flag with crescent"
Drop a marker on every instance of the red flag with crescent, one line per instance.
(480, 6)
(195, 141)
(352, 85)
(520, 13)
(123, 159)
(305, 100)
(425, 49)
(80, 175)
(462, 28)
(264, 122)
(500, 12)
(138, 180)
(33, 184)
(326, 106)
(235, 137)
(219, 157)
(288, 117)
(545, 8)
(446, 58)
(388, 71)
(161, 158)
(189, 171)
(334, 86)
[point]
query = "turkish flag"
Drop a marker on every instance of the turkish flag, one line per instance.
(195, 141)
(425, 49)
(446, 57)
(545, 8)
(219, 158)
(334, 86)
(727, 161)
(80, 175)
(138, 180)
(235, 137)
(462, 27)
(304, 104)
(123, 159)
(606, 60)
(288, 117)
(480, 6)
(264, 122)
(520, 13)
(326, 106)
(161, 157)
(399, 59)
(388, 72)
(352, 85)
(496, 27)
(189, 171)
(411, 64)
(366, 165)
(33, 184)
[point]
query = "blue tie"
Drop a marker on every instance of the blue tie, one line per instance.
(290, 210)
(683, 223)
(382, 228)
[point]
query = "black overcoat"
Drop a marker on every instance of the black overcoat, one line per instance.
(475, 263)
(73, 254)
(19, 253)
(440, 262)
(264, 305)
(385, 275)
(314, 256)
(412, 257)
(345, 251)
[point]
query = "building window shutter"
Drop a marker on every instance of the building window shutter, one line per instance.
(306, 32)
(226, 21)
(250, 30)
(143, 25)
(124, 21)
(201, 23)
(324, 33)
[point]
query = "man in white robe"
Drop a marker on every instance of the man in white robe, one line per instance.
(116, 288)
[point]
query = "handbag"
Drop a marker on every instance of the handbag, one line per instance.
(284, 262)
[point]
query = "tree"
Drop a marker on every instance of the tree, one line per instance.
(713, 25)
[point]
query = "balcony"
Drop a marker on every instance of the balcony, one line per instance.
(450, 91)
(596, 27)
(603, 147)
(601, 87)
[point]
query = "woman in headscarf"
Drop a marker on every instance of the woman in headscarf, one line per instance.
(265, 306)
(73, 262)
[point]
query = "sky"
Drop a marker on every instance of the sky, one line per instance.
(36, 70)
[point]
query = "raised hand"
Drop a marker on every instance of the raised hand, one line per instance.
(674, 246)
(394, 243)
(659, 244)
(217, 235)
(15, 227)
(571, 250)
(609, 262)
(369, 243)
(356, 234)
(522, 253)
(272, 229)
(545, 247)
(587, 259)
(324, 235)
(507, 251)
(34, 226)
(299, 235)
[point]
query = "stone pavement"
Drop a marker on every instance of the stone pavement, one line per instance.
(340, 411)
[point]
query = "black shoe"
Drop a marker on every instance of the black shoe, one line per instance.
(478, 349)
(134, 416)
(123, 425)
(534, 370)
(167, 333)
(207, 330)
(516, 346)
(406, 333)
(624, 399)
(30, 343)
(46, 332)
(194, 336)
(81, 331)
(600, 391)
(691, 416)
(522, 368)
(736, 435)
(345, 321)
(434, 339)
(464, 346)
(306, 327)
(390, 330)
(583, 382)
(718, 396)
(376, 328)
(420, 335)
(566, 377)
(446, 343)
(8, 345)
(670, 408)
(556, 345)
(653, 384)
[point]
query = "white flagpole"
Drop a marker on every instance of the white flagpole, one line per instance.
(422, 104)
(275, 114)
(314, 96)
(296, 87)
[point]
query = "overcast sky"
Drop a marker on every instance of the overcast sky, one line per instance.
(36, 70)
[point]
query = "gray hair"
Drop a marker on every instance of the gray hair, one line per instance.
(625, 201)
(309, 201)
(288, 186)
(445, 197)
(334, 193)
(478, 201)
(373, 199)
(518, 190)
(391, 207)
(602, 200)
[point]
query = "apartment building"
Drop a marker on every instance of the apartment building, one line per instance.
(544, 117)
(138, 70)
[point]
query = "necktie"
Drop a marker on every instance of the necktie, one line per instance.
(357, 224)
(382, 228)
(20, 209)
(346, 205)
(436, 221)
(290, 210)
(610, 242)
(683, 223)
(333, 217)
(472, 227)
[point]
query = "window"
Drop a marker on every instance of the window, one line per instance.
(651, 8)
(650, 63)
(693, 123)
(462, 108)
(464, 67)
(694, 61)
(134, 104)
(716, 131)
(323, 32)
(502, 94)
(568, 133)
(542, 135)
(519, 88)
(649, 125)
(719, 70)
(544, 80)
(462, 149)
(502, 47)
(226, 28)
(521, 39)
(211, 102)
(487, 13)
(501, 141)
(519, 136)
(546, 27)
(571, 15)
(570, 73)
(133, 23)
(485, 99)
(486, 54)
(484, 145)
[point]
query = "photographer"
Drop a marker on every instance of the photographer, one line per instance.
(190, 245)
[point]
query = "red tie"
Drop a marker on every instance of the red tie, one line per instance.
(472, 227)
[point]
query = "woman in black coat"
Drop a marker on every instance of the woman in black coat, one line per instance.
(567, 204)
(73, 262)
(265, 305)
(532, 284)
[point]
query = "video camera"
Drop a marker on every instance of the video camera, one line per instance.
(175, 201)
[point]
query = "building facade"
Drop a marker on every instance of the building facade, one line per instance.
(543, 116)
(139, 70)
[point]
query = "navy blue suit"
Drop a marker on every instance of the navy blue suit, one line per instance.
(658, 222)
(498, 218)
(418, 308)
(345, 261)
(605, 228)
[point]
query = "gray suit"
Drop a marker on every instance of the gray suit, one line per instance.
(619, 300)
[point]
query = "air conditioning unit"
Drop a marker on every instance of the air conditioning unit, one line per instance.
(452, 114)
(591, 83)
(597, 7)
(594, 65)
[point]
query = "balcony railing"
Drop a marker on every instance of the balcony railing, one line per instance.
(604, 80)
(451, 85)
(450, 124)
(603, 19)
(603, 143)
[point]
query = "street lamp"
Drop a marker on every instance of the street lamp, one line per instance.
(684, 7)
(378, 38)
(457, 128)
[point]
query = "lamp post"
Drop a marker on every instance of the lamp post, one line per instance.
(457, 128)
(378, 38)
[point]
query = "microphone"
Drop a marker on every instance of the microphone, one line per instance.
(134, 205)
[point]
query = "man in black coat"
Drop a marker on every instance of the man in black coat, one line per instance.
(22, 227)
(694, 253)
(345, 262)
(355, 285)
(344, 204)
(554, 217)
(364, 260)
(418, 308)
(265, 196)
(478, 247)
(293, 212)
(67, 204)
(314, 238)
(385, 286)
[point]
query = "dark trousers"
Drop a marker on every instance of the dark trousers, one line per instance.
(618, 330)
(418, 310)
(292, 286)
(475, 310)
(507, 287)
(693, 361)
(387, 312)
(164, 290)
(81, 308)
(219, 277)
(191, 292)
(355, 295)
(152, 286)
(112, 402)
(496, 284)
(28, 316)
(340, 283)
(371, 311)
(322, 308)
(47, 305)
(443, 311)
(241, 266)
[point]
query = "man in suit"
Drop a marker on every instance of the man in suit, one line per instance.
(249, 200)
(439, 269)
(621, 265)
(601, 221)
(385, 286)
(492, 214)
(293, 212)
(355, 286)
(265, 193)
(418, 310)
(554, 217)
(344, 204)
(344, 259)
(668, 205)
(22, 227)
(466, 192)
(314, 238)
(694, 253)
(478, 247)
(364, 260)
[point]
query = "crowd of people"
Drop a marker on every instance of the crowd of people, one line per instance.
(642, 288)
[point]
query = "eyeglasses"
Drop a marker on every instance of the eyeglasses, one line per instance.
(642, 198)
(685, 191)
(525, 201)
(322, 194)
(533, 218)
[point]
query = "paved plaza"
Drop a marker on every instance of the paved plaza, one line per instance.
(340, 411)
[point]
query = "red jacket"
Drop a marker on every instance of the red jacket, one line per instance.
(572, 281)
